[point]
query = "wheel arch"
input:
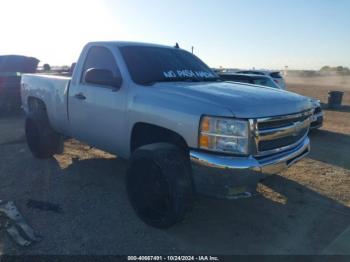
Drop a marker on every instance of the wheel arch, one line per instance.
(144, 133)
(35, 103)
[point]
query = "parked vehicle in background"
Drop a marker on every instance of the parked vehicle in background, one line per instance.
(317, 115)
(275, 75)
(11, 68)
(262, 80)
(183, 129)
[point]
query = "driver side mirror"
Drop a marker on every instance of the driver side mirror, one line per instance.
(102, 77)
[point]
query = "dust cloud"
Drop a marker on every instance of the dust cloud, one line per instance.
(341, 83)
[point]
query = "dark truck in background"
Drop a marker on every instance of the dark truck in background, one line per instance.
(11, 69)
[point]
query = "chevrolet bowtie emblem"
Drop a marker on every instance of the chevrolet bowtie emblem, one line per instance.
(298, 126)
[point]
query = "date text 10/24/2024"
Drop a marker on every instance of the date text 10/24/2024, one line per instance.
(173, 258)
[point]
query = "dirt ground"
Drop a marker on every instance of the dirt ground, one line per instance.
(304, 210)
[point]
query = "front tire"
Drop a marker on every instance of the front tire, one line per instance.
(159, 184)
(42, 140)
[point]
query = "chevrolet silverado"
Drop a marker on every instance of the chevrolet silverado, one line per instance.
(181, 127)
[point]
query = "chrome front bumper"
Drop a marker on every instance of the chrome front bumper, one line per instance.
(226, 176)
(316, 121)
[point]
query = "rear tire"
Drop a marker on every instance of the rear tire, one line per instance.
(42, 140)
(159, 184)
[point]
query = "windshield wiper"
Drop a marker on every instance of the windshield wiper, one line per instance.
(172, 80)
(183, 79)
(211, 79)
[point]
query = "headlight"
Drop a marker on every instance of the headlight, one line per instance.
(224, 135)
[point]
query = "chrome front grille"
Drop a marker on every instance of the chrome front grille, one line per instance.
(275, 134)
(317, 110)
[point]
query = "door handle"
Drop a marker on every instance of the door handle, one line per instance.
(80, 96)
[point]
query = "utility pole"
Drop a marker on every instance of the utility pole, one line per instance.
(192, 49)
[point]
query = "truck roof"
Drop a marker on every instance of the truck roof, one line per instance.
(265, 71)
(127, 43)
(18, 63)
(239, 74)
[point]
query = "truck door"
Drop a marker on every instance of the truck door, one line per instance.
(96, 112)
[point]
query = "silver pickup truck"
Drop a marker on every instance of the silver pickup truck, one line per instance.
(183, 129)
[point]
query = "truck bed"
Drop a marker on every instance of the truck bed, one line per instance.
(53, 90)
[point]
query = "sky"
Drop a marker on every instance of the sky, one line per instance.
(271, 34)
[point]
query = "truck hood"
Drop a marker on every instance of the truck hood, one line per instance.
(243, 100)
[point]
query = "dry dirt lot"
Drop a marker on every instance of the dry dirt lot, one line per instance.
(305, 210)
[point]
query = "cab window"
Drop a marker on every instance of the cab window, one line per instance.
(101, 58)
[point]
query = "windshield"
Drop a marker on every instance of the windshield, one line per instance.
(250, 72)
(148, 64)
(264, 81)
(255, 80)
(275, 75)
